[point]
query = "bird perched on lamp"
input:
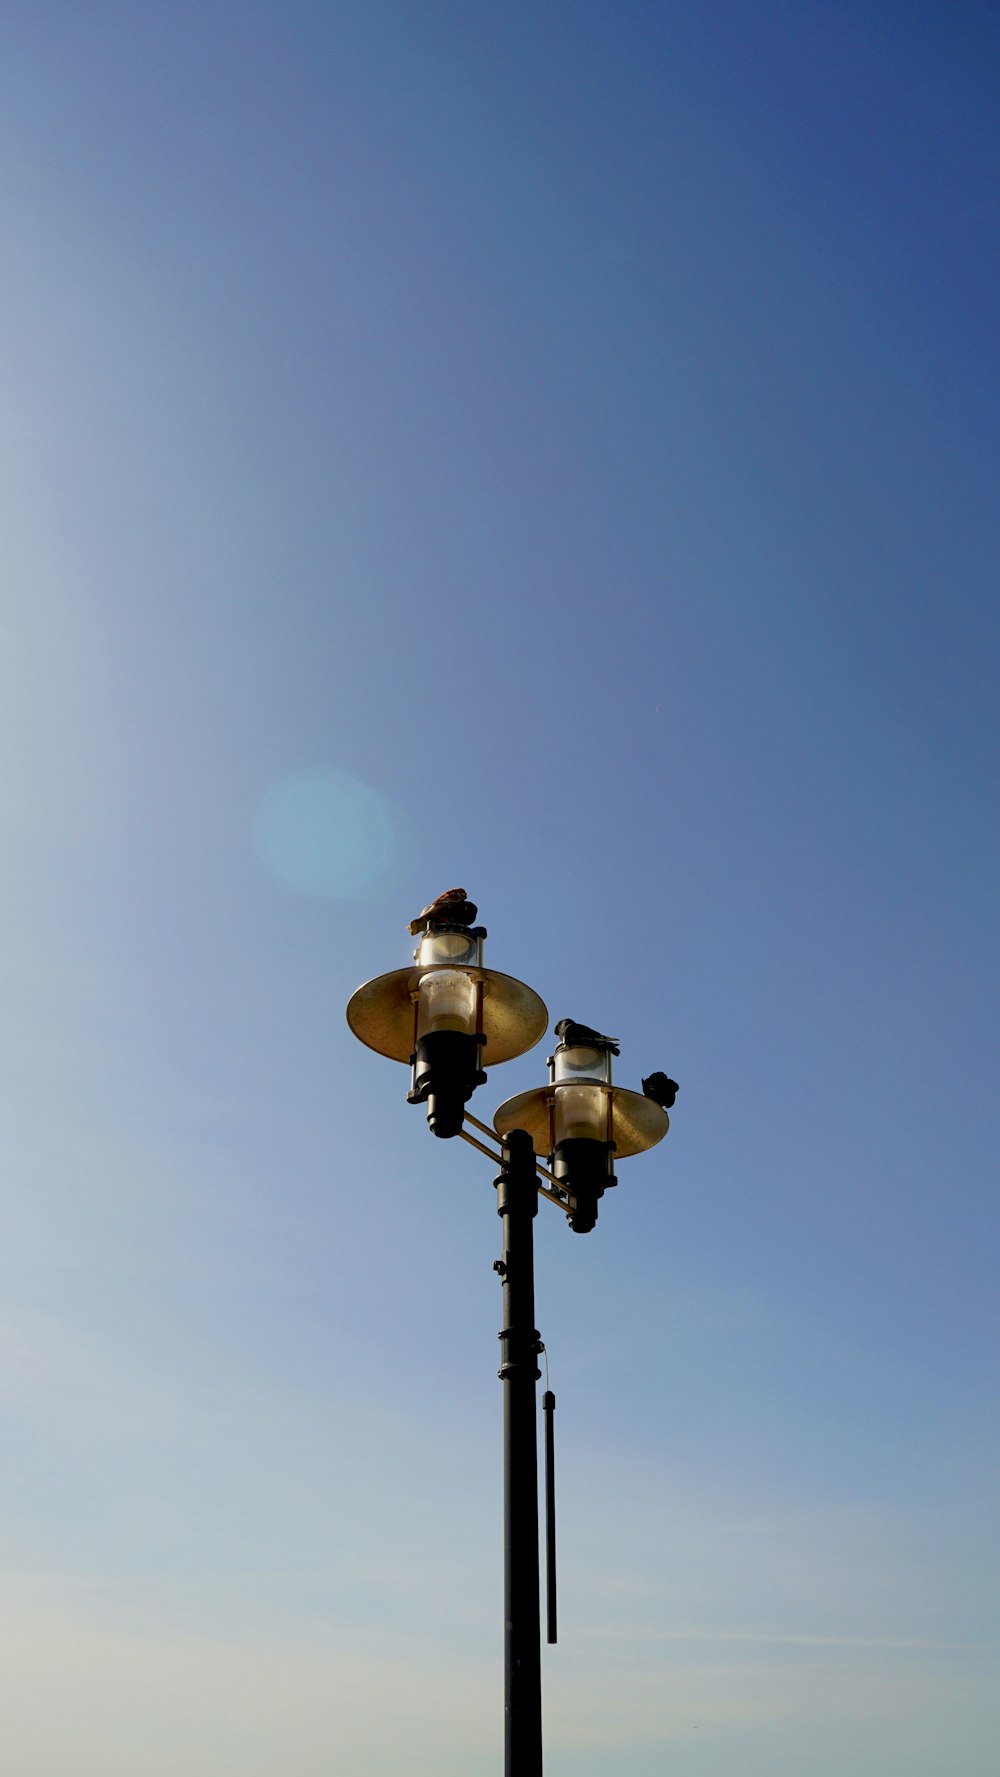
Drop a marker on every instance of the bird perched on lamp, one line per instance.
(661, 1089)
(452, 908)
(571, 1033)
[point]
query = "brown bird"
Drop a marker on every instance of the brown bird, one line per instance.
(661, 1089)
(452, 908)
(571, 1033)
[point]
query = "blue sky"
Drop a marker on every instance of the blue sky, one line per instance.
(553, 449)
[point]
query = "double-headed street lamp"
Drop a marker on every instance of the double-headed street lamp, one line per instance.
(449, 1018)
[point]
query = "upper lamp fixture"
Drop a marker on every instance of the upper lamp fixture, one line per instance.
(446, 1015)
(582, 1121)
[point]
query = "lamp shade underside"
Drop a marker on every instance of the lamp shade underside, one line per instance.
(381, 1014)
(636, 1122)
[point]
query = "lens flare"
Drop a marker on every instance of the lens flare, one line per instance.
(326, 833)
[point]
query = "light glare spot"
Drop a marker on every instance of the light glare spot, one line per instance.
(325, 833)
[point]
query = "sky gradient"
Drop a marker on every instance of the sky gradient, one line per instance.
(553, 449)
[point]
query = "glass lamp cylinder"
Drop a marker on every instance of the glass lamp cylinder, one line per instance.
(459, 947)
(582, 1145)
(448, 1034)
(578, 1061)
(581, 1112)
(447, 1000)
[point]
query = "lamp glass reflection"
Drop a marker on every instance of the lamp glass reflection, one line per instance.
(580, 1112)
(446, 1001)
(462, 949)
(577, 1061)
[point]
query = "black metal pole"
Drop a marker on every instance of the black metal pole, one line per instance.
(517, 1203)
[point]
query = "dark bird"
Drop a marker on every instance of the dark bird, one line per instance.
(452, 908)
(661, 1089)
(568, 1031)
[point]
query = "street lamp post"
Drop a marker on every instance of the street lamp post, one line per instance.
(449, 1019)
(517, 1204)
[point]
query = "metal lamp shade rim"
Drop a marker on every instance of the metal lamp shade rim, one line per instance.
(381, 1013)
(637, 1123)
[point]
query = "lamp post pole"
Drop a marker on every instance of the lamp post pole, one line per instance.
(438, 1017)
(517, 1204)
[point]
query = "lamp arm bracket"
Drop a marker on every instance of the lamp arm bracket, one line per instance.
(553, 1193)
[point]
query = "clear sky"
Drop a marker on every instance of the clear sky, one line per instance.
(550, 448)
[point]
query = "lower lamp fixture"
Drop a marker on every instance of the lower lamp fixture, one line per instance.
(583, 1122)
